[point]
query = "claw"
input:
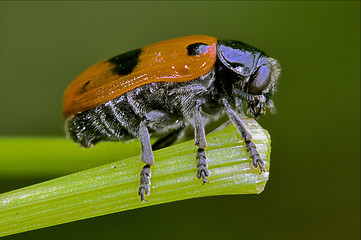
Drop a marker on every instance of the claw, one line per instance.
(254, 155)
(144, 183)
(257, 162)
(143, 190)
(203, 173)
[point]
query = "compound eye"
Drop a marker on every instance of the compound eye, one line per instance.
(259, 80)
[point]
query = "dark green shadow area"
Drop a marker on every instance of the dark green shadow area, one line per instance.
(314, 186)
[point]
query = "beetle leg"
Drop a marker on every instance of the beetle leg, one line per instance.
(246, 135)
(148, 158)
(144, 182)
(200, 141)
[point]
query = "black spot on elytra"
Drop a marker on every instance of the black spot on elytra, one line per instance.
(83, 88)
(196, 49)
(86, 84)
(126, 62)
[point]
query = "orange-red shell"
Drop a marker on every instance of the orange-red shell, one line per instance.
(166, 61)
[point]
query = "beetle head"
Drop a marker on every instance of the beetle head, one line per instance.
(253, 75)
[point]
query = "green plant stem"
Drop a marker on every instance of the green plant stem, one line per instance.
(113, 187)
(32, 157)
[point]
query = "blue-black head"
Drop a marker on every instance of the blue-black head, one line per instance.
(250, 74)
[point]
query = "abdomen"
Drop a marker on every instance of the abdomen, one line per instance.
(112, 121)
(119, 119)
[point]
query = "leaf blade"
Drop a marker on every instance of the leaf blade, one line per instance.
(113, 187)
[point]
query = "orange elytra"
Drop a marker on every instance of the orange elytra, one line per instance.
(167, 61)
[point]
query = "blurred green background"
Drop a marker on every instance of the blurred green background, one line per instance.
(314, 186)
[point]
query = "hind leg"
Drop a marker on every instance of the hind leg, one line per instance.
(148, 158)
(200, 142)
(154, 120)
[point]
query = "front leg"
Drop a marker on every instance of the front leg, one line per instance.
(200, 141)
(246, 135)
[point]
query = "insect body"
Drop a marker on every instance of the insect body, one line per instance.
(166, 87)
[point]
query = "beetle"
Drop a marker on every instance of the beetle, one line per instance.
(167, 87)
